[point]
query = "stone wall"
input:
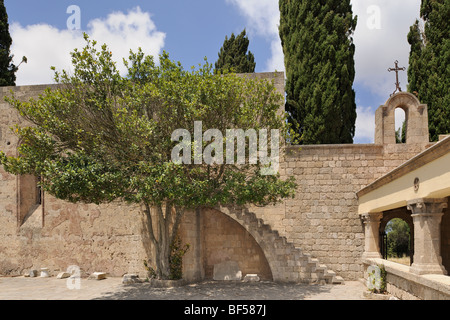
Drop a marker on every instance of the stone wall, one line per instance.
(405, 285)
(56, 234)
(322, 220)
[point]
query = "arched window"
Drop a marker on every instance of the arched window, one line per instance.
(400, 125)
(397, 236)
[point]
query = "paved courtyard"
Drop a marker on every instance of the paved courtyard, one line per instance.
(21, 288)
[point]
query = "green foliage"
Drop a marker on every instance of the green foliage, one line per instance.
(102, 137)
(233, 55)
(383, 274)
(7, 68)
(318, 47)
(377, 282)
(150, 271)
(429, 64)
(398, 233)
(177, 251)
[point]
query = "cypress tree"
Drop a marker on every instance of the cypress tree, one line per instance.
(429, 64)
(7, 68)
(316, 36)
(233, 55)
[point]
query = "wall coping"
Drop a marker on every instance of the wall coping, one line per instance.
(293, 150)
(335, 146)
(34, 87)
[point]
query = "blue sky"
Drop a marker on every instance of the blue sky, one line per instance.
(192, 30)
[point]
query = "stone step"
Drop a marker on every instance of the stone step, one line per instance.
(288, 256)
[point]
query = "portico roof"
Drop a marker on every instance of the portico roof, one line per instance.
(426, 175)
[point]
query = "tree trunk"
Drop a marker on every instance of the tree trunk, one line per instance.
(162, 230)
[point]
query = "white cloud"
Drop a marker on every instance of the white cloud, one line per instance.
(378, 46)
(276, 62)
(379, 40)
(365, 125)
(46, 46)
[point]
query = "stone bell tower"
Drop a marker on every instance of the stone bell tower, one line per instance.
(416, 118)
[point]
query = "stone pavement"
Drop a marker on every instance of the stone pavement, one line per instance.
(21, 288)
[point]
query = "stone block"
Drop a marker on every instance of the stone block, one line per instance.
(251, 278)
(228, 271)
(97, 276)
(45, 273)
(32, 274)
(130, 279)
(63, 275)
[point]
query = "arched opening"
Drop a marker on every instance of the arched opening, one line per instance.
(400, 125)
(398, 241)
(397, 236)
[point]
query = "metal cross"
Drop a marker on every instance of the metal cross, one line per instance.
(397, 69)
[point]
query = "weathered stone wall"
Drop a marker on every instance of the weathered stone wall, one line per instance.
(57, 234)
(322, 220)
(103, 238)
(405, 285)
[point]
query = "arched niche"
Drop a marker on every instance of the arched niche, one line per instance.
(224, 239)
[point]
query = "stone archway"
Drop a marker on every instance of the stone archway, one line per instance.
(399, 213)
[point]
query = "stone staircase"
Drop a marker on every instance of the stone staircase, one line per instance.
(288, 263)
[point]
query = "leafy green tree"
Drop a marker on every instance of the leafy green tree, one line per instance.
(429, 64)
(317, 42)
(233, 55)
(102, 137)
(7, 68)
(398, 233)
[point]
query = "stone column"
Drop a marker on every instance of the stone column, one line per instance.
(372, 235)
(427, 215)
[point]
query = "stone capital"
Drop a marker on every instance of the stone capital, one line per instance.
(427, 206)
(371, 217)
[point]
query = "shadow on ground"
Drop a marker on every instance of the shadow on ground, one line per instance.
(213, 290)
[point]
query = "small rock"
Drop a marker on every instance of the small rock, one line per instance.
(33, 273)
(130, 279)
(44, 273)
(63, 275)
(97, 276)
(251, 278)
